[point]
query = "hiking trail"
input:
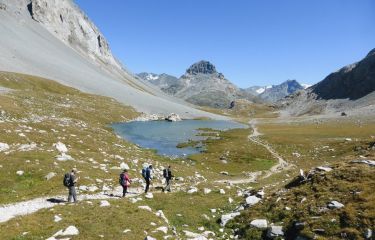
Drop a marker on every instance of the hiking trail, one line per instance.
(9, 211)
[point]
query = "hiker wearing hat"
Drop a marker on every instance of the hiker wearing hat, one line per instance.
(167, 174)
(70, 180)
(124, 181)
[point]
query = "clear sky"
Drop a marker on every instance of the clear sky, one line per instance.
(252, 42)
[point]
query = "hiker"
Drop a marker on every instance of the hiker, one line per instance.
(70, 179)
(167, 174)
(124, 181)
(147, 175)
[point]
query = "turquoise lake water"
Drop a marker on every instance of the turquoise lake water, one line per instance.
(164, 136)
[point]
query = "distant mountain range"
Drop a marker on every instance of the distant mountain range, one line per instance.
(204, 86)
(201, 85)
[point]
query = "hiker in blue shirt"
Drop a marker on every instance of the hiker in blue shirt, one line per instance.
(147, 175)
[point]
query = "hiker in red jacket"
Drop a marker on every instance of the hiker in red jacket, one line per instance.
(124, 181)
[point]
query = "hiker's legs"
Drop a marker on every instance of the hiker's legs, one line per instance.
(72, 194)
(124, 190)
(168, 187)
(147, 185)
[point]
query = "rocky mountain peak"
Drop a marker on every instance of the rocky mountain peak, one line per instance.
(204, 67)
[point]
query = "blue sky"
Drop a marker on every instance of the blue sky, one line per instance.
(252, 42)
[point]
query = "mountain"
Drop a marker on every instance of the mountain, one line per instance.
(277, 92)
(54, 39)
(274, 93)
(353, 81)
(201, 85)
(350, 89)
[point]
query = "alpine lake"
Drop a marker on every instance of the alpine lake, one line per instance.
(173, 139)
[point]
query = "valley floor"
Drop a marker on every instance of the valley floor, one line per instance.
(211, 187)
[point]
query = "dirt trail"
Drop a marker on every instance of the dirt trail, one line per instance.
(10, 211)
(281, 165)
(253, 176)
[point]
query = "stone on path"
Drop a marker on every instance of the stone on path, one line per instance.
(149, 195)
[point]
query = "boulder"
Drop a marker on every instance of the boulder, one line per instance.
(173, 117)
(227, 217)
(365, 161)
(275, 231)
(368, 234)
(335, 205)
(259, 223)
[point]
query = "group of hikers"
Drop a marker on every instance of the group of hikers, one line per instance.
(71, 179)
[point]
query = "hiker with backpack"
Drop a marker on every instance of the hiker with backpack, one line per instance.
(167, 174)
(70, 179)
(147, 175)
(124, 181)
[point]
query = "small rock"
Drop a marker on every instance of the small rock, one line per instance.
(192, 190)
(230, 200)
(3, 147)
(104, 203)
(147, 208)
(20, 172)
(222, 191)
(127, 230)
(224, 173)
(275, 231)
(252, 200)
(162, 229)
(149, 195)
(368, 234)
(150, 238)
(324, 169)
(259, 223)
(335, 205)
(50, 175)
(206, 190)
(227, 217)
(57, 218)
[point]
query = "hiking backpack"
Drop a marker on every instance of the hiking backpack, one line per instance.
(121, 179)
(144, 172)
(66, 181)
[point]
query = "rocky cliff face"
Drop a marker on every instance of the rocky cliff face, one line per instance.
(201, 85)
(353, 81)
(69, 24)
(350, 90)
